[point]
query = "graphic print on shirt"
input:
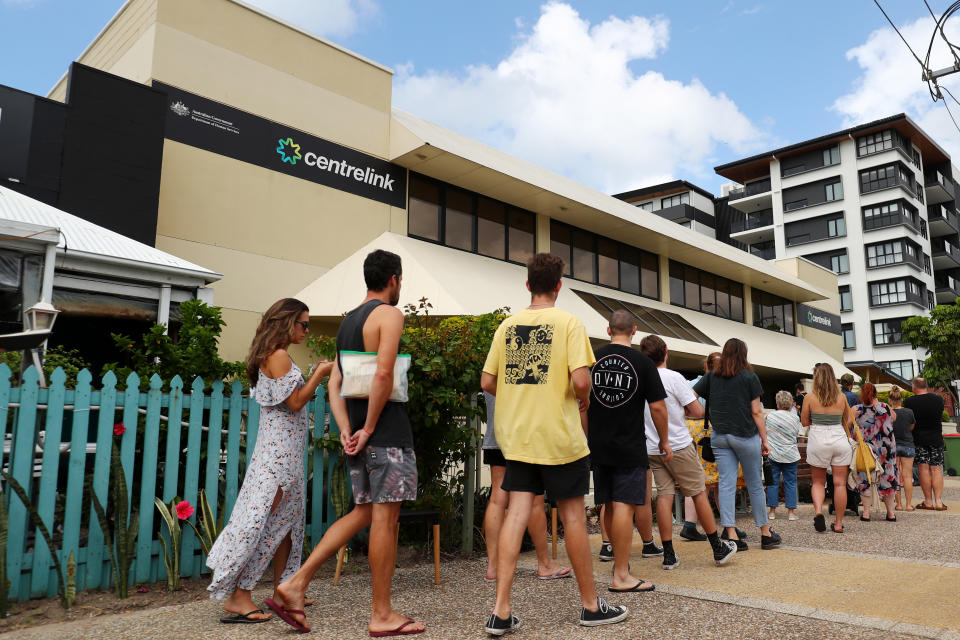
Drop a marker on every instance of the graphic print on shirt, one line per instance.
(614, 380)
(528, 354)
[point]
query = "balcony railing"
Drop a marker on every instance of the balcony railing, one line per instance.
(943, 247)
(752, 189)
(945, 281)
(940, 213)
(768, 253)
(753, 221)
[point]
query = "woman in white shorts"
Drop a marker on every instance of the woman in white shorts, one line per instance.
(828, 415)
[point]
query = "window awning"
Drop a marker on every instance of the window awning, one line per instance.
(459, 283)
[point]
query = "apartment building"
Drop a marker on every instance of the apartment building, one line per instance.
(678, 201)
(875, 204)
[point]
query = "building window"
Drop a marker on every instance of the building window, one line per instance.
(902, 368)
(846, 299)
(887, 331)
(772, 312)
(836, 227)
(884, 253)
(705, 292)
(831, 155)
(931, 300)
(464, 220)
(849, 338)
(889, 214)
(891, 175)
(875, 143)
(839, 263)
(646, 206)
(834, 191)
(672, 201)
(795, 204)
(889, 292)
(593, 258)
(916, 159)
(923, 228)
(836, 261)
(926, 264)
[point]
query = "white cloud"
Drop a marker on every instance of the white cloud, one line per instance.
(331, 18)
(565, 98)
(890, 81)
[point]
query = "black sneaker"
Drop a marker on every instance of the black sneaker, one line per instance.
(499, 626)
(741, 543)
(606, 552)
(670, 561)
(691, 533)
(724, 551)
(605, 614)
(771, 541)
(651, 550)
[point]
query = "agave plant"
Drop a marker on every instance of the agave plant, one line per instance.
(38, 523)
(210, 527)
(119, 535)
(172, 514)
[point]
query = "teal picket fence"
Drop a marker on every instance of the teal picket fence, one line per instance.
(57, 444)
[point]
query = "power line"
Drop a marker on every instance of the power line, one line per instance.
(915, 57)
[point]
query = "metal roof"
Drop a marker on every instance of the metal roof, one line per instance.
(93, 242)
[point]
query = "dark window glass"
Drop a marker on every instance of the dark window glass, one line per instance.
(723, 298)
(736, 301)
(584, 253)
(650, 275)
(608, 263)
(491, 227)
(560, 244)
(707, 293)
(772, 312)
(887, 331)
(630, 270)
(676, 284)
(522, 233)
(458, 220)
(424, 214)
(691, 288)
(846, 299)
(849, 338)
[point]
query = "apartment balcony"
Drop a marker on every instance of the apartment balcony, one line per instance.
(753, 228)
(939, 188)
(946, 254)
(681, 213)
(942, 220)
(752, 198)
(762, 250)
(948, 288)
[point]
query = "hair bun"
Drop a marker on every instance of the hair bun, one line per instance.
(894, 388)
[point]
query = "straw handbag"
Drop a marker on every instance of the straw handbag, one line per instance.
(864, 460)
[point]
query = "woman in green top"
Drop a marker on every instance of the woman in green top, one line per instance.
(739, 437)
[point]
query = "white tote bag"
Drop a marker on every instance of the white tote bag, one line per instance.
(359, 368)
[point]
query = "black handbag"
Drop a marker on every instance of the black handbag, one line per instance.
(767, 472)
(706, 450)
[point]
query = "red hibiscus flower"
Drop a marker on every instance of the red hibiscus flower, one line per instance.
(119, 429)
(184, 510)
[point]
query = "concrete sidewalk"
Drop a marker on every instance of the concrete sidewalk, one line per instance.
(877, 580)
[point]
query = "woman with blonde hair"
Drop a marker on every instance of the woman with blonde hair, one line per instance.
(903, 424)
(827, 413)
(267, 519)
(875, 420)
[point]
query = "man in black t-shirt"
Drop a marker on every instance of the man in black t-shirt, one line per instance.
(623, 381)
(928, 437)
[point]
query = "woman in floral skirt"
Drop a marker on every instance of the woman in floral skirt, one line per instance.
(267, 519)
(875, 420)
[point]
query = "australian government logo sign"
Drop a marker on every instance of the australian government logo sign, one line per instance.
(206, 124)
(817, 319)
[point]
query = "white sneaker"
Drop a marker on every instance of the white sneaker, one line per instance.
(772, 515)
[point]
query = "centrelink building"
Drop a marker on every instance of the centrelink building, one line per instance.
(186, 125)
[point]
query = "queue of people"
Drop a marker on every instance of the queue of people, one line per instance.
(557, 411)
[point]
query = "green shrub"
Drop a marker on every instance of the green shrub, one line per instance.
(71, 360)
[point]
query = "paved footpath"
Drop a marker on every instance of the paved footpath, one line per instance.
(877, 580)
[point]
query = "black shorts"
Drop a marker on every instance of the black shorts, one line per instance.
(930, 455)
(619, 484)
(494, 458)
(560, 482)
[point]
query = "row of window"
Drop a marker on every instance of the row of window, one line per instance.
(897, 291)
(772, 312)
(457, 218)
(705, 292)
(885, 332)
(888, 214)
(832, 191)
(884, 141)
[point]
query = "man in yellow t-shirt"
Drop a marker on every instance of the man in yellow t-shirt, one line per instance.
(538, 367)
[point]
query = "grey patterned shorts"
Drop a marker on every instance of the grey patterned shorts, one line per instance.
(383, 474)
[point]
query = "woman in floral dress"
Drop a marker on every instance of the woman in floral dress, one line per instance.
(267, 519)
(875, 420)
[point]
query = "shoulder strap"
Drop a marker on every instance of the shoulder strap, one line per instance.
(706, 407)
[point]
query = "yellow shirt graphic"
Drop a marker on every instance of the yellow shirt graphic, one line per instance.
(532, 355)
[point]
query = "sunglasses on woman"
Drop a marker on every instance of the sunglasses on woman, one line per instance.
(303, 325)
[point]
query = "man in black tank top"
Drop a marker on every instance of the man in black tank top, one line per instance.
(378, 441)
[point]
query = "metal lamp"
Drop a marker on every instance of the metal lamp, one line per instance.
(41, 316)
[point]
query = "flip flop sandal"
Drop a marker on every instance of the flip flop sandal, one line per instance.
(862, 519)
(635, 588)
(889, 519)
(562, 572)
(399, 631)
(833, 527)
(284, 615)
(244, 618)
(943, 508)
(925, 507)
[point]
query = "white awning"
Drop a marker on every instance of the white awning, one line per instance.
(459, 283)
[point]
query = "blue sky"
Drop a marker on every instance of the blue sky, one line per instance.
(666, 89)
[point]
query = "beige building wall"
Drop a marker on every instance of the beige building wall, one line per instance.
(826, 280)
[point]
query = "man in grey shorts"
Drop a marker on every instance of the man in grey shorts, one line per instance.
(378, 441)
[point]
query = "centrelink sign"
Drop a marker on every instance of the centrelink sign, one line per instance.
(818, 319)
(216, 127)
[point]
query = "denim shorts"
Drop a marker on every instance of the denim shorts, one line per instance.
(906, 451)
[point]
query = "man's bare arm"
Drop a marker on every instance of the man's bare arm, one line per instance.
(338, 405)
(488, 382)
(390, 322)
